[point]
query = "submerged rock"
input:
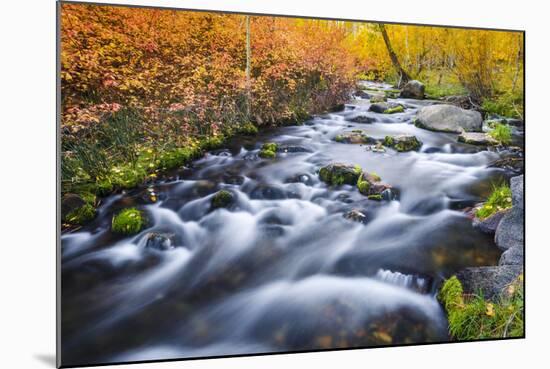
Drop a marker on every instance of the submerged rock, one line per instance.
(354, 137)
(292, 149)
(159, 241)
(363, 119)
(413, 90)
(362, 94)
(448, 118)
(490, 281)
(356, 215)
(403, 143)
(339, 174)
(477, 138)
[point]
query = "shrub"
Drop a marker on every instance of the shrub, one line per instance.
(81, 215)
(502, 133)
(500, 199)
(128, 221)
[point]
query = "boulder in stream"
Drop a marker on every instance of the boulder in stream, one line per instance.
(403, 143)
(371, 185)
(509, 232)
(448, 118)
(489, 225)
(378, 98)
(340, 173)
(363, 119)
(386, 107)
(356, 215)
(477, 138)
(222, 199)
(413, 90)
(159, 241)
(491, 281)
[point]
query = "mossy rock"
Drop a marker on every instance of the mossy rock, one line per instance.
(78, 209)
(396, 109)
(371, 185)
(222, 199)
(378, 99)
(375, 197)
(268, 150)
(128, 221)
(339, 174)
(402, 143)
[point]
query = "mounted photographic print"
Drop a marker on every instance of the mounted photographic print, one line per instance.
(239, 184)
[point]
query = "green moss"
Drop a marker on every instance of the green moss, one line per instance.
(500, 199)
(473, 317)
(339, 138)
(222, 199)
(502, 133)
(268, 150)
(363, 185)
(82, 215)
(375, 177)
(128, 221)
(376, 197)
(339, 174)
(396, 109)
(388, 141)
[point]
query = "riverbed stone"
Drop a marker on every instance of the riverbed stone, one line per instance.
(339, 174)
(516, 185)
(362, 94)
(354, 137)
(402, 143)
(512, 256)
(490, 224)
(371, 185)
(159, 241)
(510, 231)
(71, 202)
(477, 138)
(511, 164)
(378, 98)
(223, 199)
(363, 119)
(448, 118)
(413, 90)
(489, 281)
(356, 215)
(383, 107)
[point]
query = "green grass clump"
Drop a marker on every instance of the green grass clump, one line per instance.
(473, 317)
(375, 197)
(222, 199)
(502, 133)
(435, 91)
(128, 221)
(248, 129)
(506, 105)
(82, 215)
(268, 150)
(397, 109)
(500, 199)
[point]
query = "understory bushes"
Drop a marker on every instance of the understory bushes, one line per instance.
(145, 90)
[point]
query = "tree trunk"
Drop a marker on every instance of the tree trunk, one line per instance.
(518, 64)
(248, 56)
(403, 76)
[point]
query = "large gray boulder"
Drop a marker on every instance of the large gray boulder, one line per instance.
(512, 256)
(490, 224)
(510, 230)
(491, 282)
(448, 118)
(477, 138)
(413, 90)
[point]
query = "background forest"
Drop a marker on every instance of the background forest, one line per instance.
(145, 90)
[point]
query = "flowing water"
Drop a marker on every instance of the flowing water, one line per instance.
(282, 269)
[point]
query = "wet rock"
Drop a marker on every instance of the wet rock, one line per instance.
(510, 231)
(448, 118)
(378, 148)
(362, 94)
(354, 137)
(477, 138)
(271, 192)
(512, 256)
(363, 119)
(490, 224)
(388, 194)
(222, 152)
(339, 174)
(301, 178)
(159, 241)
(337, 108)
(378, 98)
(147, 196)
(371, 185)
(413, 90)
(403, 143)
(356, 215)
(292, 148)
(490, 281)
(233, 179)
(383, 107)
(204, 187)
(71, 202)
(222, 199)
